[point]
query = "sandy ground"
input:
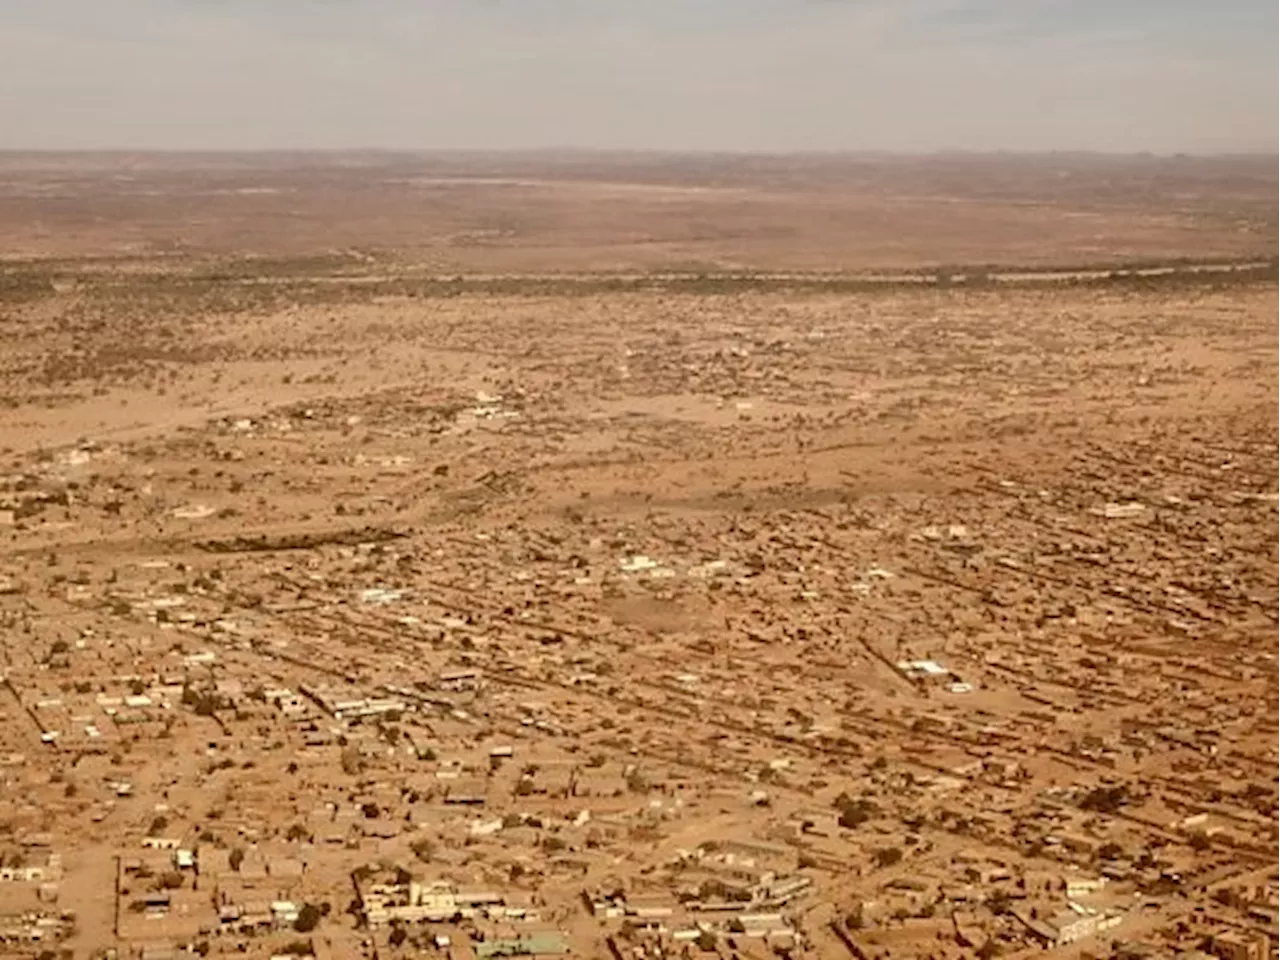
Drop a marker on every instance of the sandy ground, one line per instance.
(690, 532)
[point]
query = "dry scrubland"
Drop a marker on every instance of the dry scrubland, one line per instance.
(637, 557)
(561, 213)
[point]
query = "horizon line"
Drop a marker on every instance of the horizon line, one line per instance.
(647, 151)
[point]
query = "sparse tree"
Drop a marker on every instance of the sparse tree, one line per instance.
(888, 856)
(308, 918)
(170, 881)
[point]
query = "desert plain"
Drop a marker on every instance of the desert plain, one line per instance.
(638, 556)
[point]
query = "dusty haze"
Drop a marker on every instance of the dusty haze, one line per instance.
(764, 75)
(447, 213)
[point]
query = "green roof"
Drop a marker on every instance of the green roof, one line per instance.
(536, 944)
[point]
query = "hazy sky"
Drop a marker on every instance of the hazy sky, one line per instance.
(776, 75)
